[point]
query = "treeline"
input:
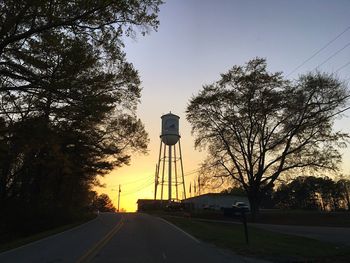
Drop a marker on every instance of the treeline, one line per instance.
(68, 101)
(306, 192)
(314, 193)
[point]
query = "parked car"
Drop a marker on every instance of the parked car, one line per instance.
(239, 206)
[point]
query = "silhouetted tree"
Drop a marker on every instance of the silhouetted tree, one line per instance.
(330, 194)
(68, 100)
(102, 21)
(282, 197)
(234, 191)
(309, 192)
(84, 113)
(344, 188)
(104, 204)
(257, 126)
(301, 193)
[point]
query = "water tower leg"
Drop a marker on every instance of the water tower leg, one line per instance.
(170, 163)
(157, 171)
(161, 190)
(182, 170)
(156, 182)
(176, 183)
(169, 173)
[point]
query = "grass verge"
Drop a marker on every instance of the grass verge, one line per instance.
(306, 218)
(262, 243)
(21, 241)
(276, 216)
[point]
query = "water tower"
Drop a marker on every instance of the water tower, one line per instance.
(170, 157)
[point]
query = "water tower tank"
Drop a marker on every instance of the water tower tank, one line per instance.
(170, 129)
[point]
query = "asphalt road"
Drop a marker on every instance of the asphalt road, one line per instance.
(64, 247)
(121, 238)
(145, 238)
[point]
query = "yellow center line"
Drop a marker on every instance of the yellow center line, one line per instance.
(89, 255)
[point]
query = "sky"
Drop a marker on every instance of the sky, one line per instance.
(197, 40)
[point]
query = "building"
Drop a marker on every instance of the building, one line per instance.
(215, 201)
(149, 205)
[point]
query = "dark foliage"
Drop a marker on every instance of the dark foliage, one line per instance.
(68, 104)
(313, 193)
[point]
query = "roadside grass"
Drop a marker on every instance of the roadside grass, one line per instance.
(276, 216)
(305, 217)
(21, 241)
(262, 243)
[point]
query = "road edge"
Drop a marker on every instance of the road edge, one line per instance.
(50, 236)
(179, 229)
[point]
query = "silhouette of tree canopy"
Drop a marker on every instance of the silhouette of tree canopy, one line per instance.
(309, 192)
(344, 189)
(101, 21)
(239, 191)
(256, 125)
(68, 100)
(104, 204)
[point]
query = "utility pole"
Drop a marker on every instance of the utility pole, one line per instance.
(119, 197)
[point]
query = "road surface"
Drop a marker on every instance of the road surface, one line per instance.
(128, 237)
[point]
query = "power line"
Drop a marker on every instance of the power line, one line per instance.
(150, 181)
(141, 184)
(344, 66)
(137, 181)
(139, 189)
(205, 166)
(318, 51)
(333, 55)
(198, 169)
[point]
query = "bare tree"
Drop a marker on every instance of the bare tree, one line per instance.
(257, 125)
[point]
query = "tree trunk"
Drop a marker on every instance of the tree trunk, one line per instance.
(254, 200)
